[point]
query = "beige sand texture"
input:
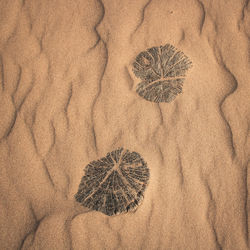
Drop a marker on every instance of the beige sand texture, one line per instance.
(68, 96)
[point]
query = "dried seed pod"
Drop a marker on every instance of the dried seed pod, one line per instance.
(114, 184)
(162, 71)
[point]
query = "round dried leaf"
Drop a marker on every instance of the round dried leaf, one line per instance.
(162, 71)
(114, 184)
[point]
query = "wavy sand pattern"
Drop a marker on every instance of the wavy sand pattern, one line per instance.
(68, 96)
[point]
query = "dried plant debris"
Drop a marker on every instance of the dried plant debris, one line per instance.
(162, 71)
(114, 184)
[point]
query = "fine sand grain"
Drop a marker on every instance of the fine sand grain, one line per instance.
(68, 96)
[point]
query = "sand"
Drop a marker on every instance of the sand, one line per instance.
(68, 97)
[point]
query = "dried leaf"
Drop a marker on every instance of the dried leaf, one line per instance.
(114, 184)
(162, 71)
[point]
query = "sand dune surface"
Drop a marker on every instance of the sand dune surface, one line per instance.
(69, 96)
